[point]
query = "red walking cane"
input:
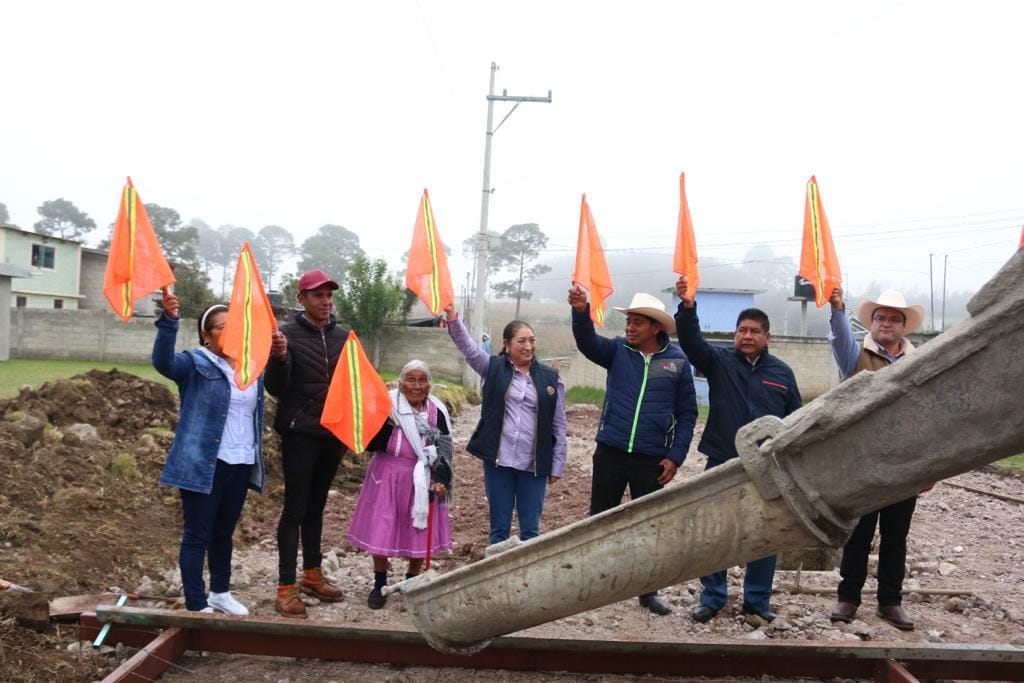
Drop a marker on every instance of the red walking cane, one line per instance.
(430, 528)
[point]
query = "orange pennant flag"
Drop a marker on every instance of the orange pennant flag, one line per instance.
(819, 263)
(684, 262)
(357, 401)
(1021, 245)
(136, 266)
(250, 322)
(427, 274)
(591, 269)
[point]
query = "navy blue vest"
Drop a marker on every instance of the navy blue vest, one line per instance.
(486, 437)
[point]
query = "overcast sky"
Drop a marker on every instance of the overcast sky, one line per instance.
(306, 113)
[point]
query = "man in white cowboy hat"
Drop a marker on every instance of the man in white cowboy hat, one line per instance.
(650, 408)
(889, 319)
(744, 383)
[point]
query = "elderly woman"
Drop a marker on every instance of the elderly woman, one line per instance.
(216, 455)
(521, 434)
(412, 457)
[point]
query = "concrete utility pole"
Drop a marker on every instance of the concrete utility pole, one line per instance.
(477, 322)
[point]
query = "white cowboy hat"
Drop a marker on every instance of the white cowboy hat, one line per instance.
(651, 306)
(891, 298)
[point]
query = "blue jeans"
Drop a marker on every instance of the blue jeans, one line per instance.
(210, 520)
(757, 581)
(757, 586)
(509, 488)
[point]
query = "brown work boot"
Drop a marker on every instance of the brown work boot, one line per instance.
(288, 602)
(314, 583)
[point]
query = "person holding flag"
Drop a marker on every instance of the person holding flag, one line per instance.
(299, 375)
(521, 435)
(650, 407)
(745, 383)
(393, 515)
(889, 319)
(217, 451)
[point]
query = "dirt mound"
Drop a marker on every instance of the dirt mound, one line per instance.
(81, 507)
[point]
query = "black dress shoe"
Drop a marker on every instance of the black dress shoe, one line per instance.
(376, 599)
(703, 614)
(765, 614)
(844, 612)
(897, 616)
(657, 604)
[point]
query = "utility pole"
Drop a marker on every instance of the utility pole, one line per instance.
(931, 290)
(945, 265)
(477, 321)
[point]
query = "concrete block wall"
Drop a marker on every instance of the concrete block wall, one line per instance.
(432, 345)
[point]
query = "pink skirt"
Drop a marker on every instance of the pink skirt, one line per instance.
(382, 522)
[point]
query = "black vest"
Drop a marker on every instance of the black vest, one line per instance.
(486, 437)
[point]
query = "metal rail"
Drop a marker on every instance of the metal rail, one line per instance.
(276, 636)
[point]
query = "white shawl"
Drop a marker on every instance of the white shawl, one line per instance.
(407, 418)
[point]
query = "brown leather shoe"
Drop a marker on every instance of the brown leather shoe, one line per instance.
(897, 616)
(288, 603)
(844, 612)
(314, 583)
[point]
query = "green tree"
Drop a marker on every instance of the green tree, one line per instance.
(368, 297)
(519, 246)
(193, 290)
(332, 249)
(4, 216)
(272, 246)
(63, 219)
(179, 241)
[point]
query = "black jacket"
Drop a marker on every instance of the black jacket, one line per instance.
(300, 382)
(738, 391)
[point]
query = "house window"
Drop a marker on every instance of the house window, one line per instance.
(42, 256)
(58, 303)
(21, 301)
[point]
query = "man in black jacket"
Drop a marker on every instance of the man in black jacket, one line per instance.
(744, 383)
(299, 378)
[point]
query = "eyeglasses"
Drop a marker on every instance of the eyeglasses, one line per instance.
(891, 319)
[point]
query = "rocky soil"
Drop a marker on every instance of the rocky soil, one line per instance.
(82, 513)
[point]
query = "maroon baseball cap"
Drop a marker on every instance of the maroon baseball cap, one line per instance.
(314, 279)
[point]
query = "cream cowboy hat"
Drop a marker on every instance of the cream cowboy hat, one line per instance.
(891, 298)
(651, 306)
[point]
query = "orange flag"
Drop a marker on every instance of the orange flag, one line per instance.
(591, 269)
(819, 264)
(250, 322)
(1021, 238)
(684, 262)
(357, 401)
(427, 273)
(136, 266)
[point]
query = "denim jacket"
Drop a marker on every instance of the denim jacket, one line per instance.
(205, 394)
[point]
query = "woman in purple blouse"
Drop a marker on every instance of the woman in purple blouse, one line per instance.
(521, 434)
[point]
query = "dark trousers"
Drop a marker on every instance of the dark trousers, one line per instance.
(507, 489)
(757, 581)
(209, 523)
(309, 464)
(893, 526)
(614, 469)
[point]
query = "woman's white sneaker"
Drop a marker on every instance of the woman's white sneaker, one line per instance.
(226, 603)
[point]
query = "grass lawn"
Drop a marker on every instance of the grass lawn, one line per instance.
(17, 372)
(1012, 461)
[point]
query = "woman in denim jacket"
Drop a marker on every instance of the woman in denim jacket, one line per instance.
(216, 455)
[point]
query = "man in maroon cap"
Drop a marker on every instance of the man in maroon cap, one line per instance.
(299, 378)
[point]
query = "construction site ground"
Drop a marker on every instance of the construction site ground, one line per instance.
(82, 513)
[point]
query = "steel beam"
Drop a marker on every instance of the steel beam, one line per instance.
(152, 660)
(277, 636)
